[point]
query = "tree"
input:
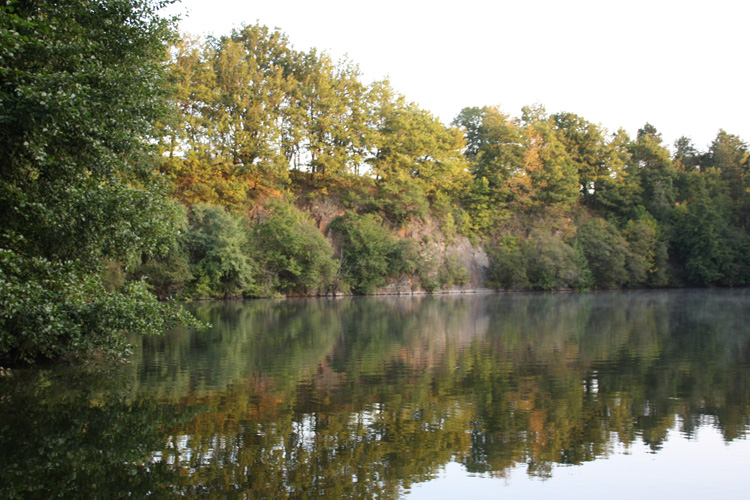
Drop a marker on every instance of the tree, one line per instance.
(233, 95)
(657, 175)
(81, 86)
(551, 263)
(414, 146)
(494, 145)
(552, 174)
(701, 243)
(686, 158)
(645, 262)
(197, 168)
(415, 157)
(708, 242)
(507, 266)
(731, 157)
(254, 75)
(619, 192)
(586, 146)
(334, 117)
(495, 154)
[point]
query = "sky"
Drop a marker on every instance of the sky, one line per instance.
(704, 466)
(680, 65)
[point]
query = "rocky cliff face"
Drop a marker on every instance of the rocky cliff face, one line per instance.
(474, 259)
(435, 247)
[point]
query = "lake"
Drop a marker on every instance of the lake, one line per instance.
(566, 395)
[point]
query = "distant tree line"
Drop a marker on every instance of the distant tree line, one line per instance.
(558, 201)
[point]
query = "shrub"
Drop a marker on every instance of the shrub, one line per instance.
(370, 254)
(551, 263)
(295, 255)
(51, 310)
(218, 244)
(606, 253)
(507, 264)
(452, 273)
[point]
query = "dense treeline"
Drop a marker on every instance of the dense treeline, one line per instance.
(558, 201)
(104, 109)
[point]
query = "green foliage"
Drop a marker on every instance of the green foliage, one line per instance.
(586, 279)
(606, 253)
(551, 263)
(452, 273)
(708, 247)
(254, 107)
(167, 276)
(586, 146)
(482, 208)
(218, 243)
(686, 158)
(81, 87)
(507, 265)
(332, 115)
(495, 152)
(657, 175)
(494, 144)
(619, 191)
(552, 173)
(293, 253)
(446, 212)
(730, 157)
(398, 204)
(51, 310)
(84, 125)
(644, 252)
(414, 146)
(370, 254)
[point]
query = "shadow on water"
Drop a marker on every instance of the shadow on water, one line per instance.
(362, 397)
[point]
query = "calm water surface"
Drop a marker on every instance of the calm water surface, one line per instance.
(615, 394)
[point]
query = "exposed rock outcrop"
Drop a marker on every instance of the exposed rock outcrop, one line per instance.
(435, 248)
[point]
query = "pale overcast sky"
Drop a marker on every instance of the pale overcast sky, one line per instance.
(679, 65)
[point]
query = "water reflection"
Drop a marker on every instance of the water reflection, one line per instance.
(364, 397)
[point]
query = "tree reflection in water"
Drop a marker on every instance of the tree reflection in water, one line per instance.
(362, 397)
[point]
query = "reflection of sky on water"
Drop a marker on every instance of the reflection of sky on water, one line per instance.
(704, 466)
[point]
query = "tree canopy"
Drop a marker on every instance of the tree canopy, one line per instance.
(81, 87)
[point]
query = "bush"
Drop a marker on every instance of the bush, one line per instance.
(370, 254)
(167, 276)
(551, 263)
(81, 87)
(295, 255)
(711, 250)
(452, 273)
(507, 265)
(606, 253)
(52, 310)
(218, 245)
(643, 240)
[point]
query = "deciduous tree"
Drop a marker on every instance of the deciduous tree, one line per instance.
(80, 89)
